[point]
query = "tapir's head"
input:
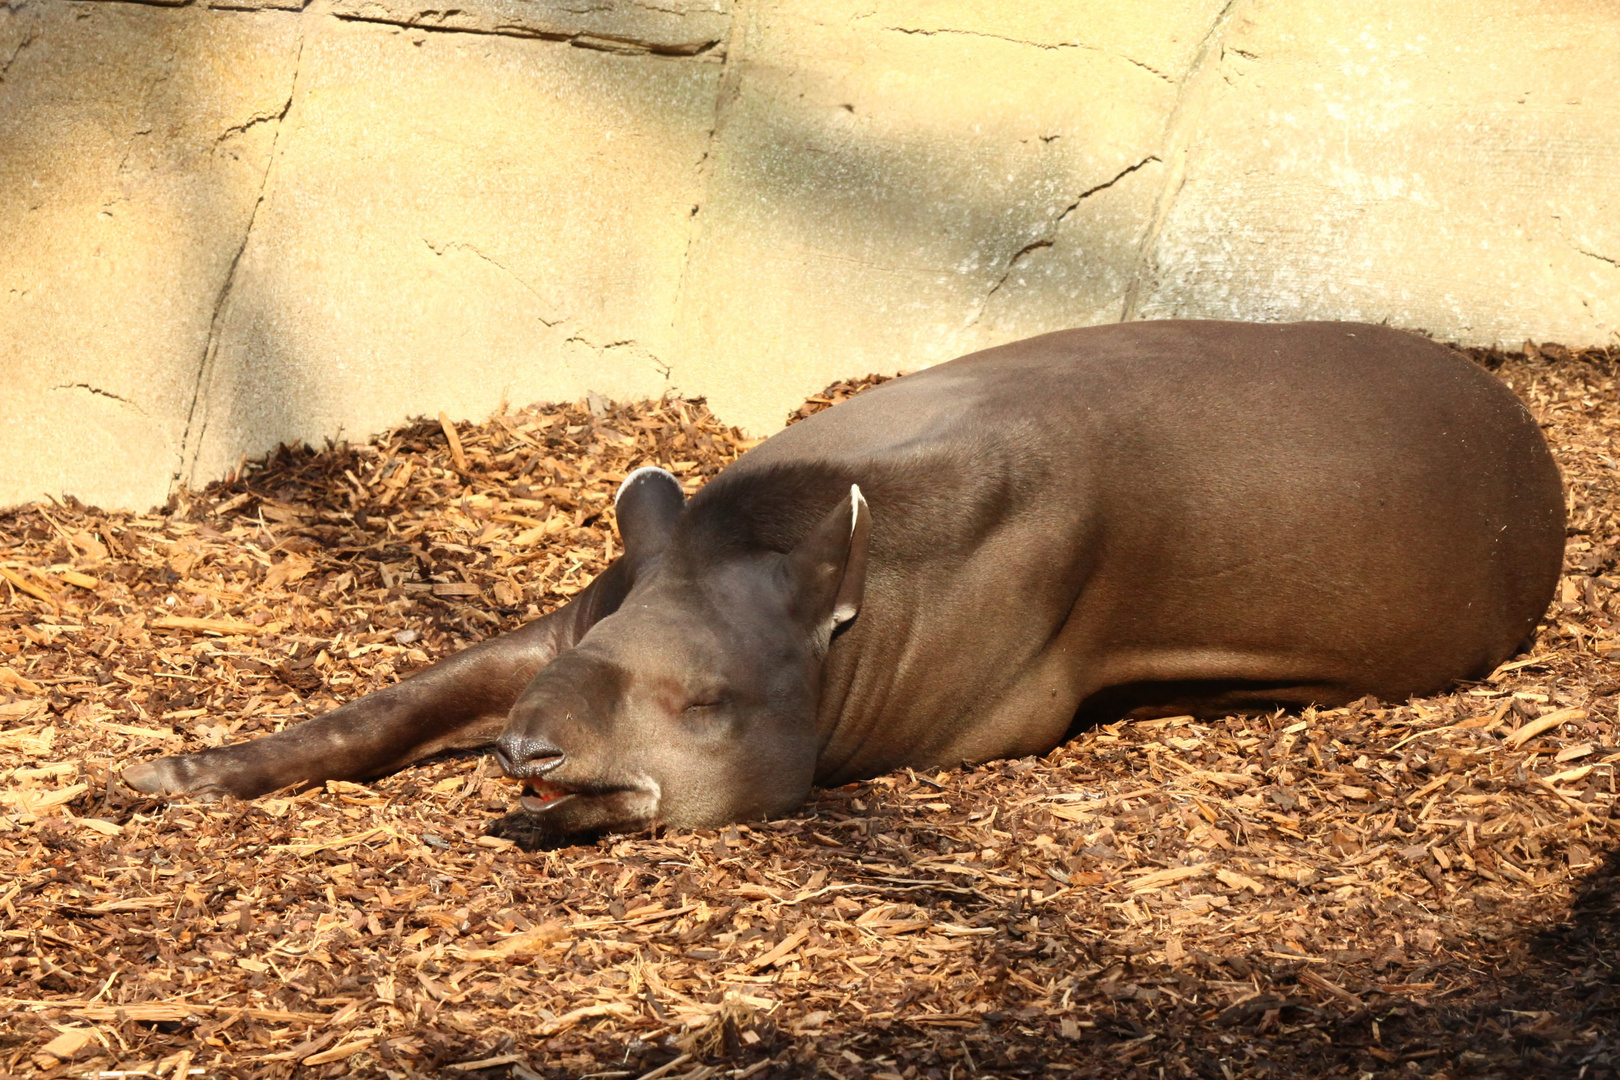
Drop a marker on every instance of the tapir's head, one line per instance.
(694, 703)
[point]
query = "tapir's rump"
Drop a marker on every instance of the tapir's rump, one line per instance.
(968, 562)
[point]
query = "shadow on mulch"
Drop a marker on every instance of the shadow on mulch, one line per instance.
(1551, 1014)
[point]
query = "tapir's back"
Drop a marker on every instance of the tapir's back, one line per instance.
(1178, 515)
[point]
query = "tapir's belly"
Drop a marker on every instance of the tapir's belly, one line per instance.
(1265, 515)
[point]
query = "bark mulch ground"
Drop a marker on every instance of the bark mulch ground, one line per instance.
(1393, 889)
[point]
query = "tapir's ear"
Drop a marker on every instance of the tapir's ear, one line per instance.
(648, 504)
(828, 568)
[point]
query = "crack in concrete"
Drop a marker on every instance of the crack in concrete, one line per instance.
(99, 392)
(1600, 258)
(191, 437)
(624, 46)
(23, 44)
(251, 122)
(1145, 67)
(151, 3)
(622, 343)
(1174, 155)
(1043, 45)
(461, 245)
(651, 357)
(727, 91)
(249, 5)
(1049, 237)
(148, 94)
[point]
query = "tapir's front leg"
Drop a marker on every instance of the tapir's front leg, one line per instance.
(459, 702)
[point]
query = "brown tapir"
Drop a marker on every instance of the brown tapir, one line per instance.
(972, 561)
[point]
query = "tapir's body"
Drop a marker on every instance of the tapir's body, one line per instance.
(1188, 516)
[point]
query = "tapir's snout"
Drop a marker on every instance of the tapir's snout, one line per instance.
(588, 789)
(525, 757)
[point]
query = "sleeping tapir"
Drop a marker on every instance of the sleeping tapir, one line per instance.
(976, 560)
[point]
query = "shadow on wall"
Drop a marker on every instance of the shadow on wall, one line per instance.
(253, 385)
(446, 216)
(863, 226)
(427, 242)
(358, 222)
(130, 168)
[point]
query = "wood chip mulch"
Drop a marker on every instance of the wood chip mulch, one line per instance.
(1386, 890)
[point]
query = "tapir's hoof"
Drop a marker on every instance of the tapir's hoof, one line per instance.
(158, 777)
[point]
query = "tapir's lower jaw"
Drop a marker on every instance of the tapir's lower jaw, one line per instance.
(540, 796)
(550, 813)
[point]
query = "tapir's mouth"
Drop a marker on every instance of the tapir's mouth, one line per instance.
(549, 812)
(541, 795)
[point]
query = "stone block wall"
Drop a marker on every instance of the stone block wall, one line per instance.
(225, 224)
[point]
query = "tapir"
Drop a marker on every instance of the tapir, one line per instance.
(979, 559)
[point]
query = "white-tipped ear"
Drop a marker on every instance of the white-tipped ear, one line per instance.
(646, 472)
(648, 504)
(853, 585)
(828, 567)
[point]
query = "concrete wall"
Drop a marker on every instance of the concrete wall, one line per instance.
(229, 223)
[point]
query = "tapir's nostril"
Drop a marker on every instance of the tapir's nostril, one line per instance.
(526, 758)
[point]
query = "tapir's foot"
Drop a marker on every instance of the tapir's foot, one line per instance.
(171, 776)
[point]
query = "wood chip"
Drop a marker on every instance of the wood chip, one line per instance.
(781, 952)
(482, 1063)
(312, 846)
(12, 679)
(457, 454)
(64, 1047)
(1542, 725)
(207, 626)
(1234, 880)
(568, 1020)
(1158, 879)
(338, 1053)
(1311, 978)
(26, 586)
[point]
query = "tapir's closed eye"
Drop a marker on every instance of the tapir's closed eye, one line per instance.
(708, 701)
